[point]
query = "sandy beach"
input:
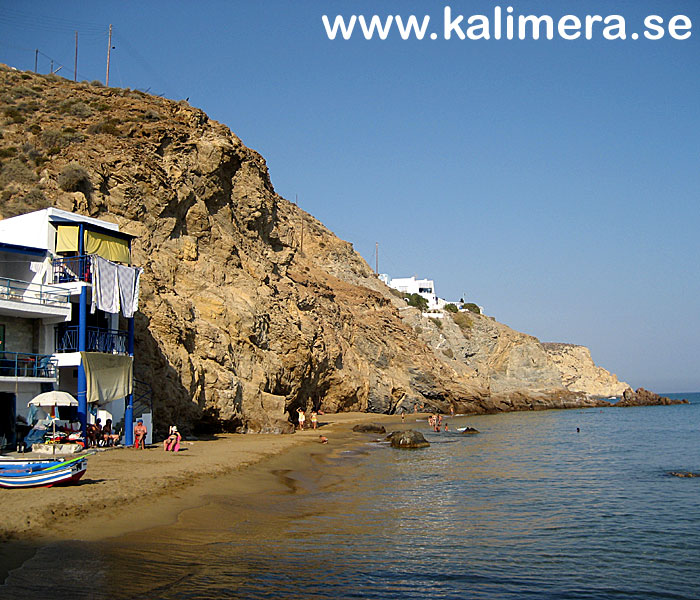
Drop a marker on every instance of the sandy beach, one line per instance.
(129, 490)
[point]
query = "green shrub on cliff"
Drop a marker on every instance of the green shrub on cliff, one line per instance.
(471, 307)
(463, 320)
(73, 178)
(437, 322)
(417, 301)
(451, 308)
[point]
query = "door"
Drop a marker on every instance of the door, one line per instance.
(8, 421)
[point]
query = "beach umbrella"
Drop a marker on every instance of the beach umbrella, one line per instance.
(51, 400)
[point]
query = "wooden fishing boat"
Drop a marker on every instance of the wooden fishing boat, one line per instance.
(42, 474)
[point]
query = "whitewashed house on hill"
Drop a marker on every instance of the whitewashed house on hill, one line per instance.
(422, 287)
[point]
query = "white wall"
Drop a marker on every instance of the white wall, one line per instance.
(411, 285)
(31, 229)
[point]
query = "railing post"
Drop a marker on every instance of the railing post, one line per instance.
(129, 400)
(82, 379)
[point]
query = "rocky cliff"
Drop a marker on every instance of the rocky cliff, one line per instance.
(239, 324)
(580, 374)
(512, 366)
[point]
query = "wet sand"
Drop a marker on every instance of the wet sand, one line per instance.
(126, 490)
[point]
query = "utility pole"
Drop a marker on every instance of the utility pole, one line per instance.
(376, 256)
(109, 51)
(36, 59)
(75, 66)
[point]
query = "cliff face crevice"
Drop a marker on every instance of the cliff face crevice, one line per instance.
(240, 321)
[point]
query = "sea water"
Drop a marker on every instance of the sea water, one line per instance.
(575, 504)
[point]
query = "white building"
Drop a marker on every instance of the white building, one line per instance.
(422, 287)
(49, 337)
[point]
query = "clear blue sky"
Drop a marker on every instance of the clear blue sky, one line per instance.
(555, 183)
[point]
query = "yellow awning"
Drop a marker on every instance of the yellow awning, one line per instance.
(67, 238)
(106, 246)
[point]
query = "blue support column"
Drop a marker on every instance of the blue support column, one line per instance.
(129, 400)
(82, 347)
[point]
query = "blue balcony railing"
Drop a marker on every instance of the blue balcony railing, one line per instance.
(111, 341)
(72, 268)
(23, 364)
(33, 293)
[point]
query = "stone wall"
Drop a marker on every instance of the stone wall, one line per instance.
(21, 335)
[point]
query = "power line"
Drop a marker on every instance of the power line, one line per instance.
(120, 40)
(49, 22)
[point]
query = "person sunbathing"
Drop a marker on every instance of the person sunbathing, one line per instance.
(94, 434)
(172, 442)
(140, 435)
(110, 438)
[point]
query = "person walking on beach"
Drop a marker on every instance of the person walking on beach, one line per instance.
(302, 419)
(314, 419)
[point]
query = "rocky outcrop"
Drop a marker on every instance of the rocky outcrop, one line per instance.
(240, 323)
(519, 371)
(644, 397)
(369, 428)
(580, 374)
(407, 440)
(469, 431)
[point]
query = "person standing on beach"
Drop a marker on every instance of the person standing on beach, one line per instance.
(302, 419)
(314, 419)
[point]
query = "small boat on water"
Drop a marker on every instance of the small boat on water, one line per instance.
(22, 473)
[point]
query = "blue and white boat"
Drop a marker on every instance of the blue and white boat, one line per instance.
(22, 473)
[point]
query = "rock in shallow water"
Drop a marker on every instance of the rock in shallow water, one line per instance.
(470, 430)
(683, 474)
(407, 439)
(369, 428)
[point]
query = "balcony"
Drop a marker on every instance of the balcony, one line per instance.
(72, 268)
(99, 339)
(33, 300)
(21, 365)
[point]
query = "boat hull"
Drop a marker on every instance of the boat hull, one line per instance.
(23, 478)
